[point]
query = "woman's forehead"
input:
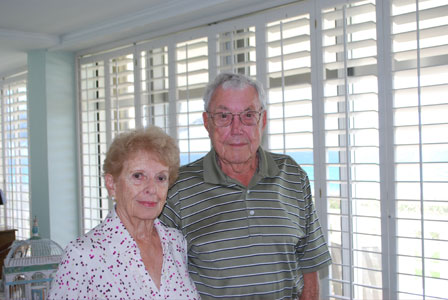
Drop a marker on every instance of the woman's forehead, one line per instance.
(142, 155)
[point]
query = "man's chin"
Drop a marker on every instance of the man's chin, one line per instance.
(238, 160)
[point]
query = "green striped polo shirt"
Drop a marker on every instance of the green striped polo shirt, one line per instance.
(250, 242)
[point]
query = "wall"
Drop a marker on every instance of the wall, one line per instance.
(53, 144)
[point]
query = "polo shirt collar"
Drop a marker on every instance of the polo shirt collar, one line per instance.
(214, 175)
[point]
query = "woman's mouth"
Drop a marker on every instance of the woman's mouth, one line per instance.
(149, 204)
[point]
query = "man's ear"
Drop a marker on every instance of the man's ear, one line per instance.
(264, 119)
(205, 119)
(110, 184)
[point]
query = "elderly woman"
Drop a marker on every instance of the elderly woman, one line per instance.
(131, 255)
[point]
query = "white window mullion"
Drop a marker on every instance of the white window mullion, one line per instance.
(137, 89)
(282, 71)
(212, 59)
(420, 144)
(3, 153)
(386, 142)
(79, 143)
(108, 116)
(261, 67)
(85, 121)
(172, 69)
(320, 177)
(187, 98)
(346, 209)
(108, 103)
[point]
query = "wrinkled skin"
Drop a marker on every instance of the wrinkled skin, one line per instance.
(141, 188)
(236, 145)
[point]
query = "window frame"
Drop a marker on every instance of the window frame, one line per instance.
(389, 281)
(16, 212)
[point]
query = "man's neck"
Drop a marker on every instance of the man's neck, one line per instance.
(242, 172)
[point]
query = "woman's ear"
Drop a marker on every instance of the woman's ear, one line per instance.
(110, 184)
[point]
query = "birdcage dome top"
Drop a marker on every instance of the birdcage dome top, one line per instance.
(34, 251)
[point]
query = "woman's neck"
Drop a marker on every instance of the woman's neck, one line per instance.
(139, 229)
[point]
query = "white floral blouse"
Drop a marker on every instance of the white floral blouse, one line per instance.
(106, 263)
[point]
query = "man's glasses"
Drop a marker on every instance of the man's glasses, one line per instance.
(224, 119)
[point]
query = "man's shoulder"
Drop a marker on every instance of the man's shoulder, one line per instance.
(278, 156)
(192, 166)
(191, 172)
(286, 163)
(282, 159)
(195, 169)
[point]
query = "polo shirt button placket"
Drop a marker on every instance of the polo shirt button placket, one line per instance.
(250, 213)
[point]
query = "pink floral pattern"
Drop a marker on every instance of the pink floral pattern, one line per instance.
(106, 263)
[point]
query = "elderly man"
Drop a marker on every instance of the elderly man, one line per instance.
(247, 214)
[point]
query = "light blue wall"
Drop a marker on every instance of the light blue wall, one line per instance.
(53, 144)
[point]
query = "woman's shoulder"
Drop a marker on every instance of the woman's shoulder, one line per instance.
(169, 233)
(97, 235)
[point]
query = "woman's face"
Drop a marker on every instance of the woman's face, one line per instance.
(141, 188)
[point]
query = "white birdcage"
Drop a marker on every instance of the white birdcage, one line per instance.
(29, 267)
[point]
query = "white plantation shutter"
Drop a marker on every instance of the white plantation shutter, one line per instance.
(95, 204)
(356, 95)
(155, 87)
(352, 149)
(122, 93)
(191, 79)
(288, 51)
(14, 172)
(419, 36)
(236, 51)
(107, 108)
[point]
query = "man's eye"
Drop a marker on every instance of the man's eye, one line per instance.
(249, 114)
(223, 116)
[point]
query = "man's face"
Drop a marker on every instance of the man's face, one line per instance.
(236, 143)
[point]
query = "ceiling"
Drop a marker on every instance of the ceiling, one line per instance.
(76, 25)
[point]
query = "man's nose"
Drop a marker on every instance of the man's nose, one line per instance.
(236, 124)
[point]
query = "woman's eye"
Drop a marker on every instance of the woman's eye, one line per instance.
(162, 178)
(137, 176)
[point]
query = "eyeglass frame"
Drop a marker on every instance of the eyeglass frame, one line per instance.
(212, 116)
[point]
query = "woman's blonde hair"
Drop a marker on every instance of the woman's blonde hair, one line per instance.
(153, 140)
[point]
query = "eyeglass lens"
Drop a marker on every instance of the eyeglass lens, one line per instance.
(248, 118)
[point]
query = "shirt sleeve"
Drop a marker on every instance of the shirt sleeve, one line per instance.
(71, 279)
(170, 215)
(312, 252)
